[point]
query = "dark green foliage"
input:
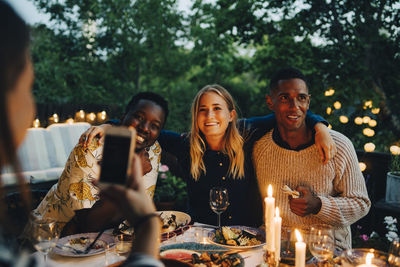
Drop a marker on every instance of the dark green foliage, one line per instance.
(148, 45)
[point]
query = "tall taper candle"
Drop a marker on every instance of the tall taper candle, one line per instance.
(300, 260)
(277, 226)
(269, 220)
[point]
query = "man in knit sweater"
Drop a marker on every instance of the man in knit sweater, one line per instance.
(332, 193)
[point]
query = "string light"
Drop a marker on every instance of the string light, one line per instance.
(343, 119)
(375, 110)
(362, 165)
(395, 150)
(337, 105)
(329, 110)
(330, 126)
(70, 121)
(358, 120)
(329, 92)
(368, 104)
(366, 119)
(369, 147)
(368, 132)
(55, 116)
(372, 123)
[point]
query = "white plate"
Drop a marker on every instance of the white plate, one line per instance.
(181, 219)
(63, 244)
(211, 237)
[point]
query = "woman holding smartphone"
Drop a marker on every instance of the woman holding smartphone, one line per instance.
(17, 111)
(217, 153)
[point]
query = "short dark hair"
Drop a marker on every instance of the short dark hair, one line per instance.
(153, 97)
(286, 74)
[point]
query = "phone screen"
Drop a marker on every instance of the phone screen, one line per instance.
(115, 163)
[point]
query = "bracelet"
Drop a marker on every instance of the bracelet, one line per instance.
(144, 218)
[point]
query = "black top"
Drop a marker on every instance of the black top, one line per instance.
(245, 200)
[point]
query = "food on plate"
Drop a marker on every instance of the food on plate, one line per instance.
(179, 254)
(80, 243)
(287, 190)
(171, 221)
(204, 259)
(215, 259)
(237, 237)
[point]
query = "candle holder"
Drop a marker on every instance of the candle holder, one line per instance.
(270, 259)
(358, 257)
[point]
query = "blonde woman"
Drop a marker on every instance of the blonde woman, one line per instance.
(217, 153)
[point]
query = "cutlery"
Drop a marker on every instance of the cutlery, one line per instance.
(76, 251)
(94, 242)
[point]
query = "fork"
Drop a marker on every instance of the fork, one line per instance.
(76, 251)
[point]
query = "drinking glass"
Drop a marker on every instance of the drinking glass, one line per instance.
(321, 241)
(394, 254)
(219, 201)
(44, 235)
(123, 244)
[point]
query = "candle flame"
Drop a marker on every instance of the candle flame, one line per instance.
(368, 259)
(276, 212)
(298, 235)
(269, 190)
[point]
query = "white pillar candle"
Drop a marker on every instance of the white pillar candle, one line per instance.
(300, 260)
(368, 261)
(269, 220)
(277, 232)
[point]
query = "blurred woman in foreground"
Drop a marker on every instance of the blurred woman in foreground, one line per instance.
(17, 111)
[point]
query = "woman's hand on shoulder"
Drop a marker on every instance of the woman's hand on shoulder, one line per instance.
(87, 137)
(324, 142)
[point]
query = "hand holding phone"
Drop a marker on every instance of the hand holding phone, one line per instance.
(119, 146)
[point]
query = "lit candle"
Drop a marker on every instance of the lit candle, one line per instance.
(300, 260)
(36, 123)
(269, 220)
(368, 261)
(278, 226)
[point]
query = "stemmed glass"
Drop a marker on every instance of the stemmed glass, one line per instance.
(219, 201)
(322, 242)
(44, 235)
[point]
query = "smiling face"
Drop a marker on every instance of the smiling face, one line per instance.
(213, 116)
(290, 102)
(148, 119)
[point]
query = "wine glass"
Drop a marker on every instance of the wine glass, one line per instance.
(219, 201)
(322, 242)
(394, 253)
(44, 235)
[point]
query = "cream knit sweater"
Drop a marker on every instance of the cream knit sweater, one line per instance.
(339, 184)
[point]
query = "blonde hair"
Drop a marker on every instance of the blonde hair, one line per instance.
(232, 142)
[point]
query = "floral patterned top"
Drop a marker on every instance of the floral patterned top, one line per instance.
(74, 190)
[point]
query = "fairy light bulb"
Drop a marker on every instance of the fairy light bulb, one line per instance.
(362, 165)
(343, 119)
(337, 105)
(369, 147)
(366, 119)
(358, 120)
(395, 150)
(375, 110)
(329, 110)
(372, 123)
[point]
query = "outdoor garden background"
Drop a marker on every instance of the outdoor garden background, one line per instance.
(94, 55)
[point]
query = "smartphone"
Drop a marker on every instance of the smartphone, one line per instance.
(119, 146)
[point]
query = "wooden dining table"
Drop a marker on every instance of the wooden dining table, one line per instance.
(252, 257)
